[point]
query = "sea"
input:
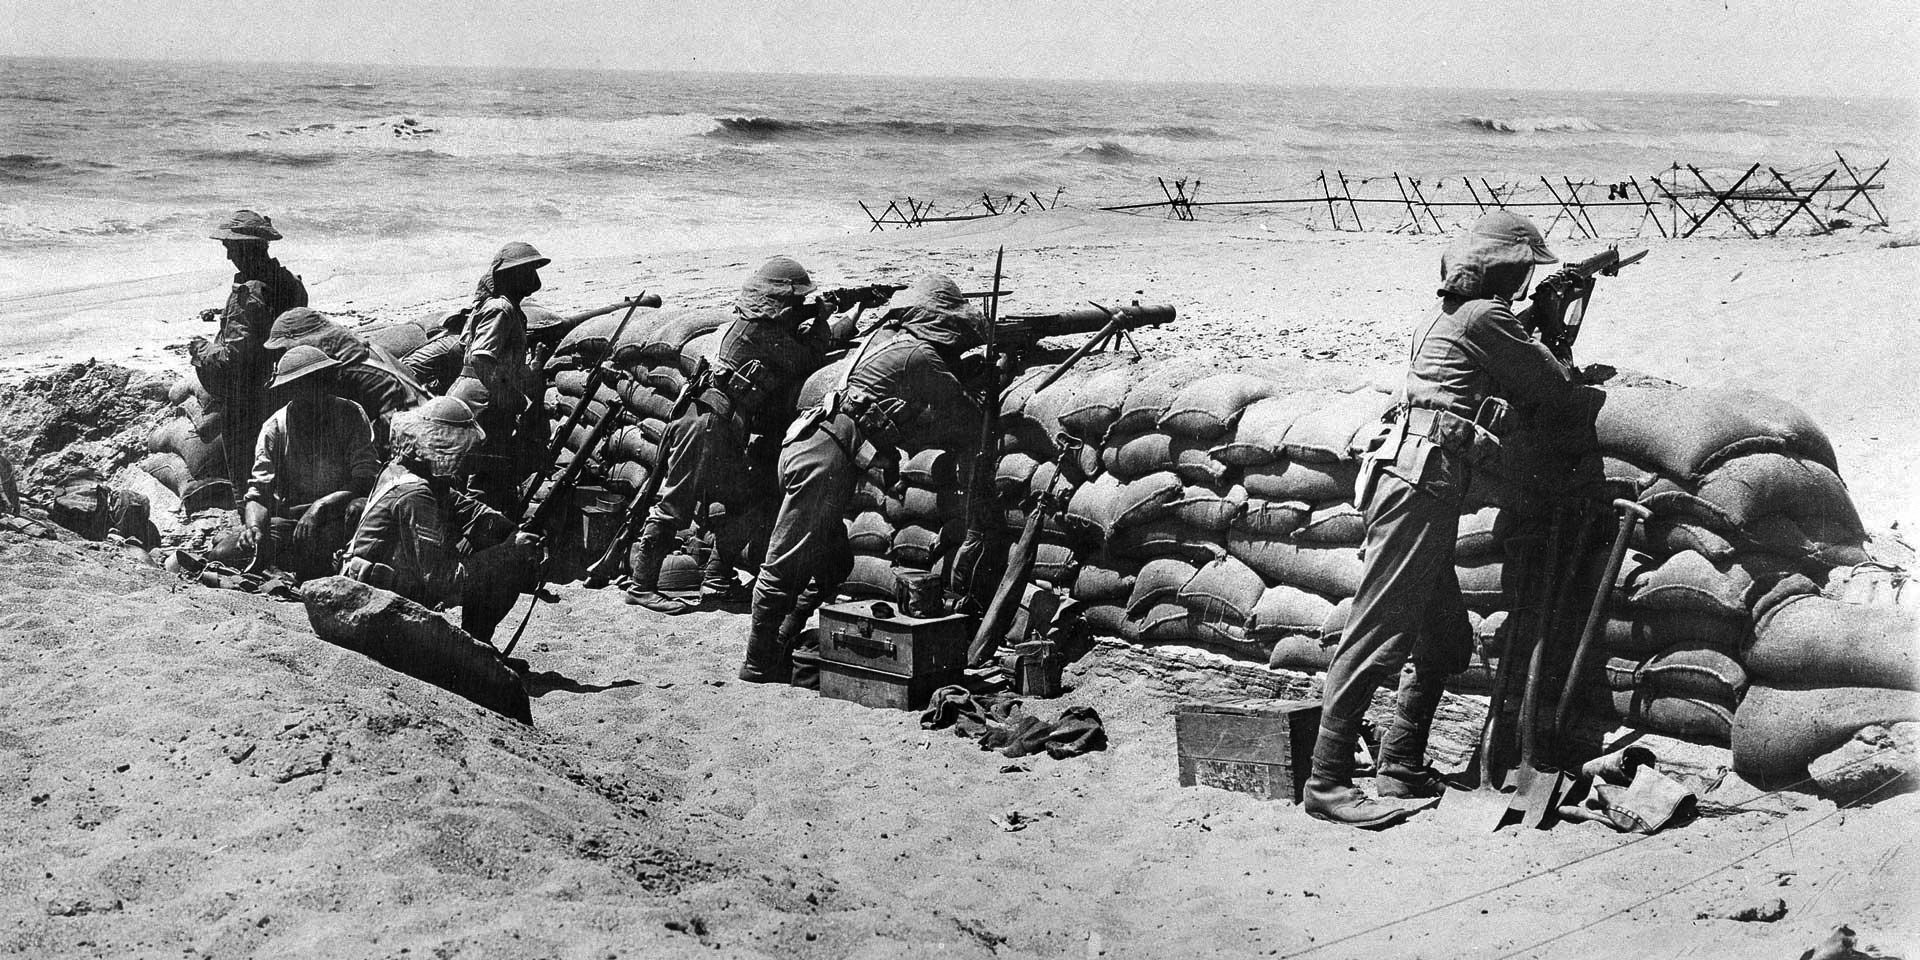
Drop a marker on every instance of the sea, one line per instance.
(112, 170)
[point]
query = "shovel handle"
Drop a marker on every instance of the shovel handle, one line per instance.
(1631, 515)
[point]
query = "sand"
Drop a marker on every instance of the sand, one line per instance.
(190, 772)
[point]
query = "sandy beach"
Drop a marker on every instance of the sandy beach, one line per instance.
(191, 772)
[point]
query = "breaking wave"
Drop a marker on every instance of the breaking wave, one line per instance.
(32, 167)
(1534, 124)
(1104, 151)
(774, 128)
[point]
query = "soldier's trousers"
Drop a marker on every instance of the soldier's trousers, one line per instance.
(701, 456)
(1408, 606)
(808, 556)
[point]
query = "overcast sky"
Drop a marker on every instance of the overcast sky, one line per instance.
(1721, 46)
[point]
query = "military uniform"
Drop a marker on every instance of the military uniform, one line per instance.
(764, 356)
(1469, 360)
(368, 374)
(422, 537)
(497, 383)
(906, 368)
(236, 367)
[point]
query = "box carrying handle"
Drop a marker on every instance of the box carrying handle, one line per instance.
(864, 642)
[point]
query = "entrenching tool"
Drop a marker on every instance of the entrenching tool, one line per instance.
(1631, 515)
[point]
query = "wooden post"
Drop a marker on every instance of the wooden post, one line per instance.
(1426, 206)
(1720, 200)
(1818, 223)
(1348, 190)
(1493, 196)
(1860, 187)
(1564, 209)
(1647, 212)
(1332, 214)
(1573, 193)
(1409, 202)
(1476, 195)
(870, 216)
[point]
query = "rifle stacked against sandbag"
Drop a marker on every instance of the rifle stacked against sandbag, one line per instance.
(1559, 302)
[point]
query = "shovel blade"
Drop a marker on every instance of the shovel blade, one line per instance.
(1536, 798)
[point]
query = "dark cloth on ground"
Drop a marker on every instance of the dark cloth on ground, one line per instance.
(999, 722)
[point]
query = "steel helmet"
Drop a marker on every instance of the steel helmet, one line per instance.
(518, 254)
(299, 362)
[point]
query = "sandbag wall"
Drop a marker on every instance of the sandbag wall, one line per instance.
(1216, 508)
(184, 452)
(655, 356)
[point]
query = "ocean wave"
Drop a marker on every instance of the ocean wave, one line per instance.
(1105, 151)
(34, 167)
(774, 128)
(1534, 124)
(1756, 103)
(1182, 131)
(264, 157)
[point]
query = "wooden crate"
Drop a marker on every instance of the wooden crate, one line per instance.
(1254, 746)
(889, 661)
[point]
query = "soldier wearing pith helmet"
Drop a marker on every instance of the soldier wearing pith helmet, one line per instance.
(1473, 372)
(234, 366)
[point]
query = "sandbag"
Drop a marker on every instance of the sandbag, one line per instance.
(627, 475)
(1779, 729)
(1109, 620)
(1651, 631)
(1330, 569)
(1154, 392)
(932, 467)
(1105, 583)
(1298, 480)
(1047, 406)
(645, 404)
(588, 341)
(922, 545)
(1207, 408)
(699, 352)
(1203, 508)
(1336, 521)
(1079, 462)
(1271, 519)
(665, 381)
(629, 443)
(1627, 474)
(1691, 582)
(1817, 541)
(167, 468)
(871, 577)
(868, 495)
(1284, 611)
(1054, 564)
(1811, 640)
(400, 338)
(1744, 489)
(1687, 432)
(1108, 504)
(205, 458)
(1164, 538)
(1258, 437)
(1690, 671)
(1302, 652)
(1683, 718)
(1224, 590)
(1671, 535)
(1097, 402)
(1483, 533)
(1481, 582)
(1013, 474)
(1133, 457)
(1165, 623)
(1325, 434)
(929, 507)
(660, 339)
(868, 532)
(1046, 481)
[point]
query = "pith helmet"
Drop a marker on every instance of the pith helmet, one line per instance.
(518, 254)
(299, 362)
(245, 225)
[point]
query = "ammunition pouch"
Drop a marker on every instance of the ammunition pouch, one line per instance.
(827, 416)
(1459, 435)
(744, 385)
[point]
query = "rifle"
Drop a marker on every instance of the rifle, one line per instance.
(554, 332)
(1559, 302)
(601, 571)
(872, 295)
(598, 376)
(981, 515)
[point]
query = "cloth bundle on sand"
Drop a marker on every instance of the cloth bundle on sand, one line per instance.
(1001, 723)
(1216, 508)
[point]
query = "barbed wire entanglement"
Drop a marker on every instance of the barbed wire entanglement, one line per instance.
(1683, 200)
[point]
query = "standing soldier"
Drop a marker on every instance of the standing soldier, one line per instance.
(1469, 360)
(907, 366)
(495, 380)
(776, 339)
(236, 367)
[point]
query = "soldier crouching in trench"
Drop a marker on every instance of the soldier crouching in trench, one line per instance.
(1469, 360)
(426, 539)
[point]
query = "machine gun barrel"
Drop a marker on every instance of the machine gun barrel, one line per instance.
(1029, 327)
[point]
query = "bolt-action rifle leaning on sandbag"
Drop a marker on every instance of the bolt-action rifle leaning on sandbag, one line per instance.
(1559, 302)
(598, 376)
(973, 567)
(602, 570)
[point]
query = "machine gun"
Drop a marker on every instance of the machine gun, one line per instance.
(1559, 302)
(1019, 334)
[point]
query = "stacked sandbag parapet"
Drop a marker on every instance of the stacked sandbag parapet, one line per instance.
(184, 452)
(1216, 508)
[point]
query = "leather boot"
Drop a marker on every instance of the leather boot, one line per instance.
(719, 584)
(1403, 772)
(803, 650)
(767, 656)
(648, 554)
(1330, 794)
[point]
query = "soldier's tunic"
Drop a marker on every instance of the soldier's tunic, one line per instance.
(307, 450)
(236, 368)
(499, 393)
(437, 546)
(368, 374)
(898, 378)
(1408, 604)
